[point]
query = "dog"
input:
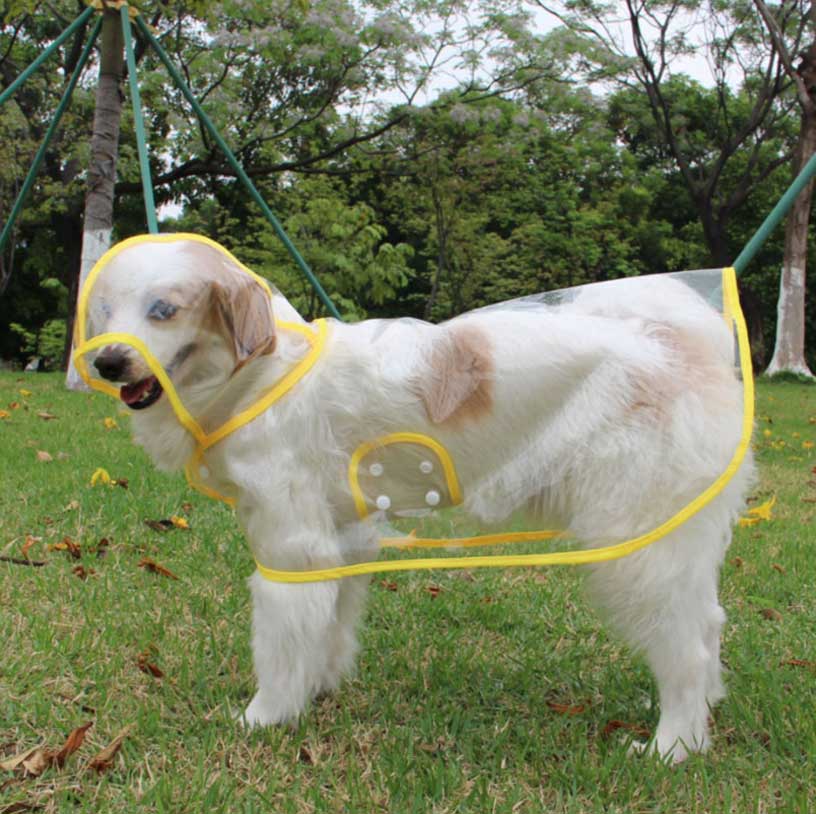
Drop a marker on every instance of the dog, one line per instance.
(604, 415)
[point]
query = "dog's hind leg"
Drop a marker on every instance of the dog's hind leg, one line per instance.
(293, 630)
(664, 602)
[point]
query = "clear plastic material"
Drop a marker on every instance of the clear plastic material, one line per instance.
(403, 473)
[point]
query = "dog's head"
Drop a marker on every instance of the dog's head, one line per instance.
(196, 310)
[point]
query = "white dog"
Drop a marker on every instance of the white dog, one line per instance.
(604, 416)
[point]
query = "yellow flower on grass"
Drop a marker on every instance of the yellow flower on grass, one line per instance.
(179, 522)
(100, 476)
(758, 513)
(5, 414)
(25, 393)
(110, 423)
(807, 444)
(767, 433)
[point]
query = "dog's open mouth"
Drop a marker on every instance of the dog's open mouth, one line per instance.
(141, 394)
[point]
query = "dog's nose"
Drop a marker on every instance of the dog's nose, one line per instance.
(111, 364)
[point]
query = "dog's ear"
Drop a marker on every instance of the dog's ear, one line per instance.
(456, 382)
(242, 312)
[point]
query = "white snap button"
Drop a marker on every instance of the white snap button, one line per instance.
(426, 467)
(383, 503)
(432, 498)
(376, 470)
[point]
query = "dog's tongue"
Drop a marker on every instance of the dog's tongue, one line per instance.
(131, 393)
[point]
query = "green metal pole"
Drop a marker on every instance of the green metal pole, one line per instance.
(776, 215)
(141, 141)
(239, 170)
(52, 128)
(9, 91)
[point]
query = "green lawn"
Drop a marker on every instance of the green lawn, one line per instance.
(493, 693)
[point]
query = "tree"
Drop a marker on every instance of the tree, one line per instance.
(98, 222)
(789, 348)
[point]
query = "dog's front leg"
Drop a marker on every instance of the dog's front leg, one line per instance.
(292, 632)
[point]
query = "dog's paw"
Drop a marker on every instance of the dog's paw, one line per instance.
(671, 753)
(261, 712)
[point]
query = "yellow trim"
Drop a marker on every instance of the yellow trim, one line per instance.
(732, 311)
(400, 438)
(410, 541)
(204, 440)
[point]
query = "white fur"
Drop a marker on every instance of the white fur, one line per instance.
(608, 415)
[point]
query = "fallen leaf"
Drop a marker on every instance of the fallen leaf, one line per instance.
(5, 415)
(159, 525)
(46, 416)
(73, 743)
(148, 666)
(389, 585)
(636, 729)
(123, 482)
(82, 572)
(771, 613)
(434, 591)
(103, 760)
(19, 807)
(758, 513)
(305, 755)
(566, 709)
(110, 423)
(155, 568)
(187, 507)
(777, 567)
(43, 456)
(738, 562)
(13, 762)
(102, 548)
(798, 663)
(30, 540)
(179, 522)
(67, 544)
(100, 476)
(35, 761)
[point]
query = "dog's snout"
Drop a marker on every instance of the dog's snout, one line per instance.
(112, 363)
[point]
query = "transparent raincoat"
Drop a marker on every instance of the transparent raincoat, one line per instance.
(389, 476)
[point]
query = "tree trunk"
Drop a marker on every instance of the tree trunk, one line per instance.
(96, 235)
(789, 349)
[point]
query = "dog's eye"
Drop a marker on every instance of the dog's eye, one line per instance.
(161, 310)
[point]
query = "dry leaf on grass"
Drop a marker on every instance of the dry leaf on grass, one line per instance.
(389, 585)
(30, 540)
(155, 568)
(434, 591)
(103, 761)
(159, 525)
(146, 666)
(46, 416)
(43, 456)
(20, 807)
(777, 567)
(36, 760)
(635, 729)
(566, 709)
(82, 572)
(771, 613)
(70, 507)
(67, 544)
(798, 663)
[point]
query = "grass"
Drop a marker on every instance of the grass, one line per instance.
(490, 694)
